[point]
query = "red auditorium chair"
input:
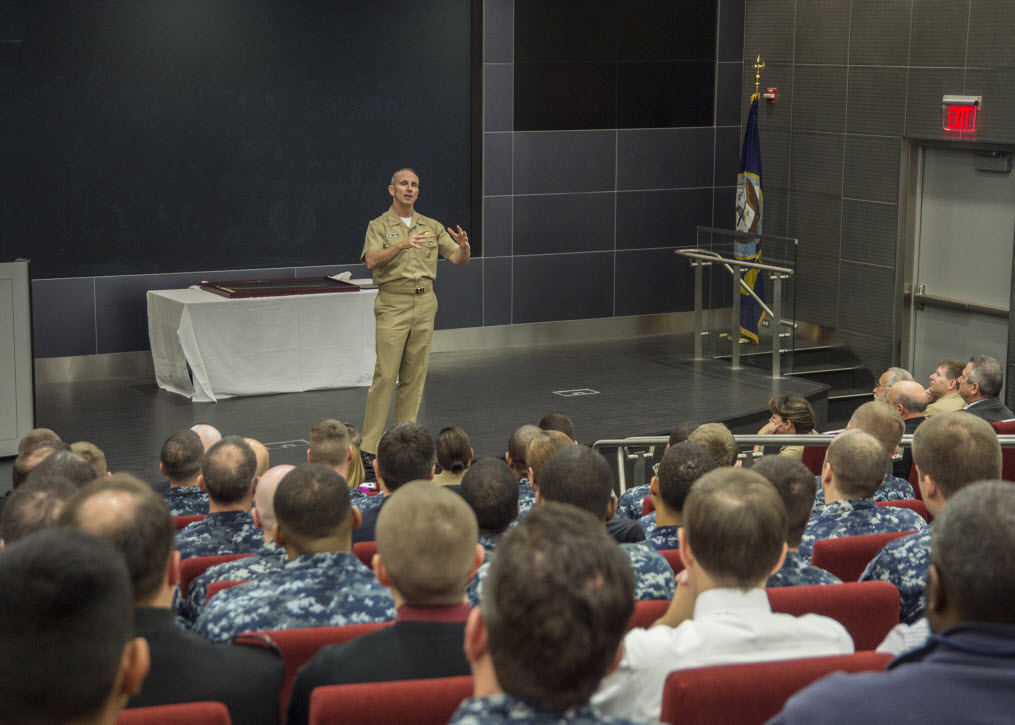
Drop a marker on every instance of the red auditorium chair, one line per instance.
(1006, 427)
(912, 504)
(193, 567)
(750, 694)
(421, 702)
(180, 521)
(215, 587)
(814, 458)
(364, 551)
(848, 556)
(673, 559)
(914, 481)
(647, 506)
(188, 713)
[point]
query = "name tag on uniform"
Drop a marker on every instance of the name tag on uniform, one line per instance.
(394, 236)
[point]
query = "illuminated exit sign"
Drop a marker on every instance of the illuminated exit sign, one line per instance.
(958, 113)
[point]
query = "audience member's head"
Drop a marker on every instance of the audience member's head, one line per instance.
(794, 410)
(208, 434)
(69, 652)
(518, 444)
(64, 465)
(93, 456)
(228, 472)
(682, 465)
(541, 448)
(454, 450)
(797, 488)
(427, 545)
(718, 441)
(329, 444)
(945, 378)
(181, 456)
(855, 464)
(734, 529)
(889, 378)
(31, 458)
(555, 605)
(981, 378)
(135, 520)
(34, 506)
(579, 476)
(264, 498)
(951, 451)
(681, 432)
(559, 422)
(313, 512)
(909, 398)
(405, 453)
(881, 421)
(34, 437)
(260, 453)
(355, 437)
(491, 491)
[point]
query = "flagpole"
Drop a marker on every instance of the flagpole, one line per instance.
(759, 66)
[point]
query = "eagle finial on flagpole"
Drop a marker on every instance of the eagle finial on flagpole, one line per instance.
(759, 66)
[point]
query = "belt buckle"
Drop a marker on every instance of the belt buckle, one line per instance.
(420, 290)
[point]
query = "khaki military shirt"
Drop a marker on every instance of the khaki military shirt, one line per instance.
(411, 265)
(948, 404)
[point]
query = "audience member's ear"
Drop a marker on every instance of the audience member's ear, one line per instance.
(357, 517)
(686, 555)
(611, 507)
(162, 470)
(2, 541)
(476, 644)
(380, 571)
(653, 486)
(257, 517)
(782, 558)
(433, 472)
(936, 597)
(310, 456)
(200, 482)
(826, 472)
(276, 534)
(532, 480)
(928, 489)
(173, 570)
(349, 454)
(478, 562)
(377, 471)
(109, 473)
(507, 460)
(134, 666)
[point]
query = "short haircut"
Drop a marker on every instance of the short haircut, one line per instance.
(795, 409)
(313, 502)
(264, 494)
(31, 458)
(986, 372)
(682, 465)
(681, 431)
(134, 520)
(956, 449)
(208, 434)
(490, 490)
(559, 422)
(880, 420)
(797, 488)
(63, 465)
(735, 524)
(579, 476)
(454, 449)
(542, 447)
(859, 465)
(973, 550)
(518, 444)
(896, 375)
(93, 456)
(34, 506)
(718, 441)
(426, 536)
(404, 453)
(67, 617)
(329, 442)
(394, 176)
(555, 605)
(911, 403)
(182, 454)
(34, 437)
(953, 368)
(229, 468)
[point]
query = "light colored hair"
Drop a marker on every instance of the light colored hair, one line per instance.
(93, 455)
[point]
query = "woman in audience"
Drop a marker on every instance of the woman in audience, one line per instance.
(356, 473)
(791, 415)
(454, 454)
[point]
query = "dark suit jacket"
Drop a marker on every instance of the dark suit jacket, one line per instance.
(189, 668)
(991, 410)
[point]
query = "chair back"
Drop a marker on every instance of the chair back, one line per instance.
(909, 503)
(193, 567)
(646, 612)
(848, 556)
(180, 521)
(187, 713)
(421, 702)
(814, 458)
(1006, 427)
(868, 610)
(914, 481)
(673, 559)
(750, 694)
(364, 551)
(216, 587)
(647, 506)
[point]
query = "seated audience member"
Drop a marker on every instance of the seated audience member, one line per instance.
(557, 603)
(542, 446)
(22, 463)
(269, 558)
(454, 456)
(62, 465)
(943, 391)
(951, 451)
(135, 520)
(34, 437)
(69, 650)
(791, 415)
(518, 444)
(208, 434)
(558, 422)
(980, 385)
(733, 538)
(25, 462)
(682, 465)
(93, 456)
(851, 474)
(323, 584)
(329, 444)
(965, 672)
(32, 507)
(356, 473)
(261, 454)
(180, 462)
(228, 476)
(796, 488)
(404, 453)
(888, 378)
(490, 490)
(630, 503)
(426, 552)
(910, 399)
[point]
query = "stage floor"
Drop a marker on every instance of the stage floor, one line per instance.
(641, 386)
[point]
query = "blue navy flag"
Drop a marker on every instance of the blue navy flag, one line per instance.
(749, 208)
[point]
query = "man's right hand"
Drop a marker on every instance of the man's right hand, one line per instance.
(415, 240)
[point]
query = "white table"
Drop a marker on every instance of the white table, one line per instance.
(260, 345)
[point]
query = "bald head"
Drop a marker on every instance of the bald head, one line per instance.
(264, 498)
(909, 398)
(261, 454)
(208, 434)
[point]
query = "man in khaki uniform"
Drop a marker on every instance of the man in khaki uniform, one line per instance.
(401, 248)
(944, 388)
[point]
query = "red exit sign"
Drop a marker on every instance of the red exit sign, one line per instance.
(959, 113)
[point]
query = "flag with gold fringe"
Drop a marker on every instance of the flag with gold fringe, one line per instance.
(749, 210)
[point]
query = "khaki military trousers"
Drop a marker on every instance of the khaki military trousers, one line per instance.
(404, 331)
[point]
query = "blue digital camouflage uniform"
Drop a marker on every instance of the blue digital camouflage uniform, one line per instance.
(648, 523)
(509, 709)
(664, 537)
(329, 589)
(904, 563)
(891, 489)
(857, 517)
(526, 497)
(797, 571)
(269, 558)
(630, 503)
(489, 541)
(226, 532)
(363, 502)
(187, 501)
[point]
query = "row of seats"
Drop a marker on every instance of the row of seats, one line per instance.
(912, 504)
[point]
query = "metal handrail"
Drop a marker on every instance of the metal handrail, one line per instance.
(716, 257)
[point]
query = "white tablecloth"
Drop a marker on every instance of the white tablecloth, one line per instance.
(260, 345)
